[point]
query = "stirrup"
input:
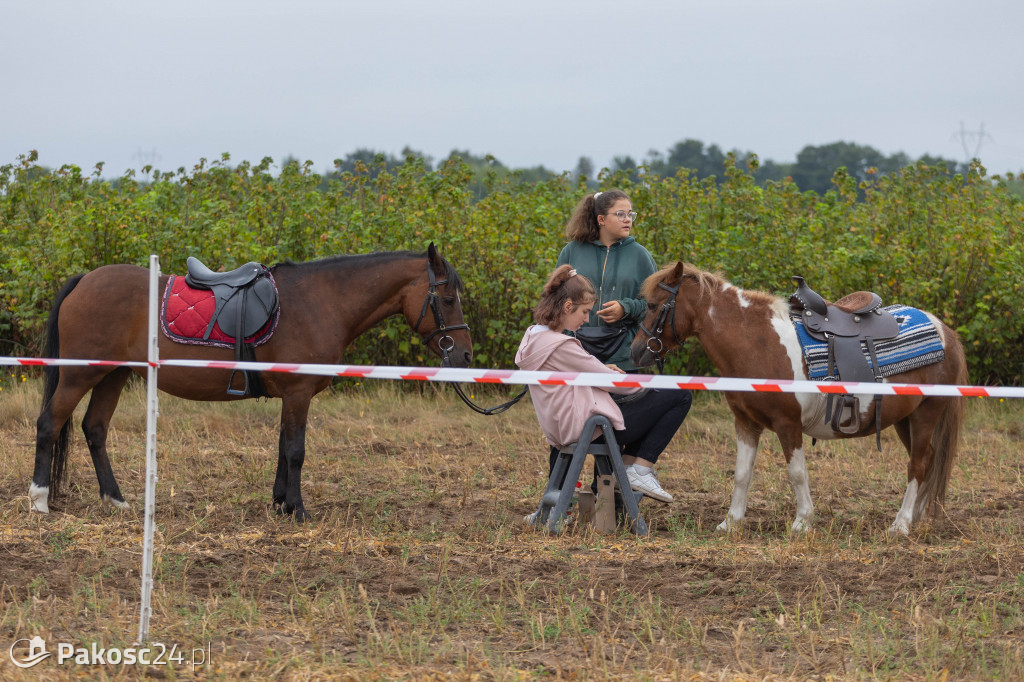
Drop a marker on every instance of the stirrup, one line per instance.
(853, 427)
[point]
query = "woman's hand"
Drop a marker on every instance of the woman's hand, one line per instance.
(612, 311)
(616, 368)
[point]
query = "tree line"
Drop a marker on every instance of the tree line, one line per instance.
(812, 170)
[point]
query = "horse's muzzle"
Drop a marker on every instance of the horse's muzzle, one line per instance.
(641, 354)
(456, 357)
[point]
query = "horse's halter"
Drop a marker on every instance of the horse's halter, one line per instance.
(446, 343)
(667, 313)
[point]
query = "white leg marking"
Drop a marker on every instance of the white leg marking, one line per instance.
(39, 497)
(746, 454)
(905, 517)
(801, 489)
(120, 504)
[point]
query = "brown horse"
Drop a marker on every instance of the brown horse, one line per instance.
(325, 305)
(749, 334)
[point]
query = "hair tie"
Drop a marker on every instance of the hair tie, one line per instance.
(572, 273)
(596, 195)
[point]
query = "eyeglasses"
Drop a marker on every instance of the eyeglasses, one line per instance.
(622, 215)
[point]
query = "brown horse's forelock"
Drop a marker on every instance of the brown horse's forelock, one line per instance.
(332, 262)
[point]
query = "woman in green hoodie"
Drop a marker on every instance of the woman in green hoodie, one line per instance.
(602, 248)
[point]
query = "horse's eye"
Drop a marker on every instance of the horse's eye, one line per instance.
(652, 307)
(448, 301)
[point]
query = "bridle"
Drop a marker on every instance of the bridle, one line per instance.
(666, 314)
(446, 344)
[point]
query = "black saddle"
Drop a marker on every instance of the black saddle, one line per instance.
(201, 277)
(850, 327)
(246, 299)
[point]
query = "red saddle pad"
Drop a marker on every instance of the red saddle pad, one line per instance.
(186, 313)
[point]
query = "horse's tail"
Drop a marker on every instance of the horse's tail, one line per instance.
(51, 377)
(946, 436)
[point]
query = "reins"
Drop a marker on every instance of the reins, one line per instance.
(446, 344)
(489, 411)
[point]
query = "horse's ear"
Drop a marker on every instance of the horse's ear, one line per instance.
(432, 254)
(676, 275)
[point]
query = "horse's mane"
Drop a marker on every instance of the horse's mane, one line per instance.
(366, 259)
(706, 283)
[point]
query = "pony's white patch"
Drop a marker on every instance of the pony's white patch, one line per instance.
(39, 498)
(905, 517)
(866, 408)
(743, 300)
(779, 319)
(746, 455)
(800, 481)
(120, 504)
(938, 327)
(812, 406)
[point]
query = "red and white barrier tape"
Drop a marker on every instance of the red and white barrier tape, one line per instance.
(507, 376)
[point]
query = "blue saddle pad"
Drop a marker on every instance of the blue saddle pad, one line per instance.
(917, 345)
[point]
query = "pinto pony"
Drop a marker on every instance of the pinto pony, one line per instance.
(325, 304)
(749, 334)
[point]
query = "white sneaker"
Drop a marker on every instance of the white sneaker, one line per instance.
(647, 484)
(530, 518)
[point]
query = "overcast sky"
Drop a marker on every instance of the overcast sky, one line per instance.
(531, 82)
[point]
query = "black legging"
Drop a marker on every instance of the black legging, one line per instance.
(651, 421)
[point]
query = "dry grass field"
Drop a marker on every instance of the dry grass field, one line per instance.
(418, 566)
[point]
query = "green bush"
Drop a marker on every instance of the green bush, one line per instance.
(945, 243)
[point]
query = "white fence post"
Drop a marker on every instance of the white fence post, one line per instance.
(146, 608)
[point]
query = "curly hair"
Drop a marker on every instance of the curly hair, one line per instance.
(583, 226)
(563, 285)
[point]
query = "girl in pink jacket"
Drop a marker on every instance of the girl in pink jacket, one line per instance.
(644, 425)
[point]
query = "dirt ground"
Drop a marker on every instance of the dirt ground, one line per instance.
(417, 564)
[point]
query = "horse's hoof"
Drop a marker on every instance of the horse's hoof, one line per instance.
(898, 529)
(729, 525)
(298, 513)
(38, 498)
(801, 526)
(115, 502)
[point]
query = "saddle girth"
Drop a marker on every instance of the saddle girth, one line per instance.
(846, 325)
